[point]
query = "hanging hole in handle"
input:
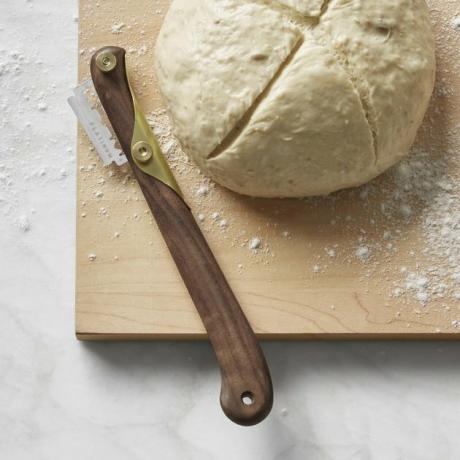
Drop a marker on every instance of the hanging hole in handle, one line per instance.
(247, 398)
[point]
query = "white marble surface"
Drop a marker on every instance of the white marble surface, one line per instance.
(60, 399)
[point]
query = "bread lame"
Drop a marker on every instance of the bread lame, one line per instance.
(246, 391)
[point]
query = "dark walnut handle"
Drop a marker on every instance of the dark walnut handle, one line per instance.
(247, 394)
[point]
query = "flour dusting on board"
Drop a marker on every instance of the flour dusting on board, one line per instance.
(417, 191)
(417, 198)
(402, 229)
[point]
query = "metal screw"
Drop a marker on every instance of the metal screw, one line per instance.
(106, 61)
(142, 152)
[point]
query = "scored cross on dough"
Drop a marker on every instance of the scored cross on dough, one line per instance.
(204, 102)
(273, 105)
(322, 82)
(388, 52)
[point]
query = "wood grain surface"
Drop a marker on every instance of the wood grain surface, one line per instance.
(133, 291)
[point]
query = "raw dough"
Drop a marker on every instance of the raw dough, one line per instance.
(296, 97)
(306, 7)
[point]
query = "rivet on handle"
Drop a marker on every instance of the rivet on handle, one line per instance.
(142, 151)
(106, 61)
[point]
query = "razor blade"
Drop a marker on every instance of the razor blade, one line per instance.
(91, 121)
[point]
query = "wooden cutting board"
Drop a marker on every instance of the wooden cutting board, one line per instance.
(305, 281)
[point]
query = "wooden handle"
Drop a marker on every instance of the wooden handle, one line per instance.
(247, 393)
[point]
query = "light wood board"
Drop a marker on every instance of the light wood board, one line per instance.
(132, 289)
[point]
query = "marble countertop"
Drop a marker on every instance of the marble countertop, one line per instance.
(61, 399)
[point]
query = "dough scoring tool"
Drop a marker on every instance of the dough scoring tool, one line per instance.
(246, 391)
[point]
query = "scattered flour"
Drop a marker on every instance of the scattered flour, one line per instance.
(35, 154)
(24, 223)
(417, 191)
(406, 210)
(372, 228)
(255, 243)
(202, 191)
(456, 23)
(363, 253)
(117, 27)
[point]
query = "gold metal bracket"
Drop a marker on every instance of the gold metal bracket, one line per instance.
(146, 151)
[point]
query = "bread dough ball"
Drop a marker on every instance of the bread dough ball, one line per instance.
(293, 98)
